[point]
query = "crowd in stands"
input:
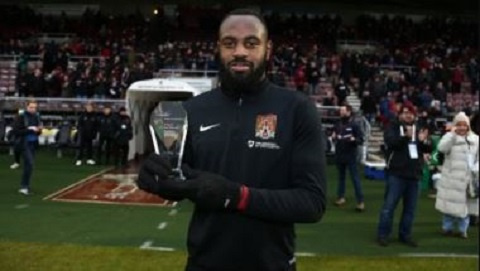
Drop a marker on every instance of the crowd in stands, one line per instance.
(434, 60)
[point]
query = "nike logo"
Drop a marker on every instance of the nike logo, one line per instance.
(206, 128)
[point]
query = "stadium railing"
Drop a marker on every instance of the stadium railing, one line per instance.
(162, 73)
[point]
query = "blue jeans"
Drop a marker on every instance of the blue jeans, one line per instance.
(342, 172)
(395, 189)
(448, 222)
(28, 157)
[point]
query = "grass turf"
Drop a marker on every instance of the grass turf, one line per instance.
(78, 258)
(342, 234)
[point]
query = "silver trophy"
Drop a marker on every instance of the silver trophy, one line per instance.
(168, 129)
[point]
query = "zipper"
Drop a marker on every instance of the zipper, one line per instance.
(233, 128)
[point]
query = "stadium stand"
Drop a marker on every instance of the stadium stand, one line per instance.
(395, 58)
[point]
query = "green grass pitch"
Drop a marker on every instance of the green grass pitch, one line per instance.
(36, 234)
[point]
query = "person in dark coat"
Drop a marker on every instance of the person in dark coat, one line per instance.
(342, 91)
(348, 136)
(107, 131)
(28, 127)
(368, 106)
(87, 130)
(123, 135)
(406, 143)
(253, 161)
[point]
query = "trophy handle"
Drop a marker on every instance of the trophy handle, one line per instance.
(182, 148)
(154, 139)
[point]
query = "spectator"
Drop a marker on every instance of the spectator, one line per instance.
(36, 86)
(80, 85)
(299, 78)
(22, 84)
(100, 88)
(459, 171)
(18, 144)
(313, 77)
(329, 100)
(457, 79)
(341, 92)
(27, 127)
(87, 130)
(405, 147)
(123, 135)
(348, 136)
(440, 92)
(368, 107)
(107, 132)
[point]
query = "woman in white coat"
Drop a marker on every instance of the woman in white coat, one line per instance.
(460, 147)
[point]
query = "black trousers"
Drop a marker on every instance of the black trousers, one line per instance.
(17, 150)
(86, 147)
(104, 147)
(121, 154)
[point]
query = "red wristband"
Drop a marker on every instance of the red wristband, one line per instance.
(244, 195)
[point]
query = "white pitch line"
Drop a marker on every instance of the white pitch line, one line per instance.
(147, 245)
(162, 226)
(305, 254)
(438, 255)
(21, 206)
(173, 212)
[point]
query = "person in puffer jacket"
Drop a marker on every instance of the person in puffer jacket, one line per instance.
(455, 198)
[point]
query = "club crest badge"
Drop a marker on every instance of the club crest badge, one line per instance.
(266, 126)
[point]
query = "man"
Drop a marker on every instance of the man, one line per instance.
(406, 145)
(17, 145)
(28, 127)
(87, 129)
(107, 131)
(369, 106)
(348, 136)
(258, 156)
(342, 91)
(123, 133)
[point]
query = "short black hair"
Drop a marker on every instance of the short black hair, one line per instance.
(247, 11)
(348, 107)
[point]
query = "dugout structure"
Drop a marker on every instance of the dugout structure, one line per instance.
(143, 97)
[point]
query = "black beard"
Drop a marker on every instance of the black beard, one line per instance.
(236, 84)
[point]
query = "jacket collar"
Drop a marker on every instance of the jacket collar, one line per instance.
(247, 94)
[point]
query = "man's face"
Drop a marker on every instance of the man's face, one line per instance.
(243, 49)
(344, 112)
(407, 116)
(107, 110)
(89, 108)
(32, 108)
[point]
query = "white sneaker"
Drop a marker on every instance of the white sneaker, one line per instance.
(14, 165)
(23, 191)
(78, 163)
(90, 162)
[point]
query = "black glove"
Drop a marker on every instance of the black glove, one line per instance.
(156, 177)
(213, 191)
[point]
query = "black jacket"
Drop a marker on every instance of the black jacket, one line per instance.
(123, 130)
(398, 158)
(345, 148)
(88, 125)
(106, 125)
(21, 124)
(270, 140)
(368, 106)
